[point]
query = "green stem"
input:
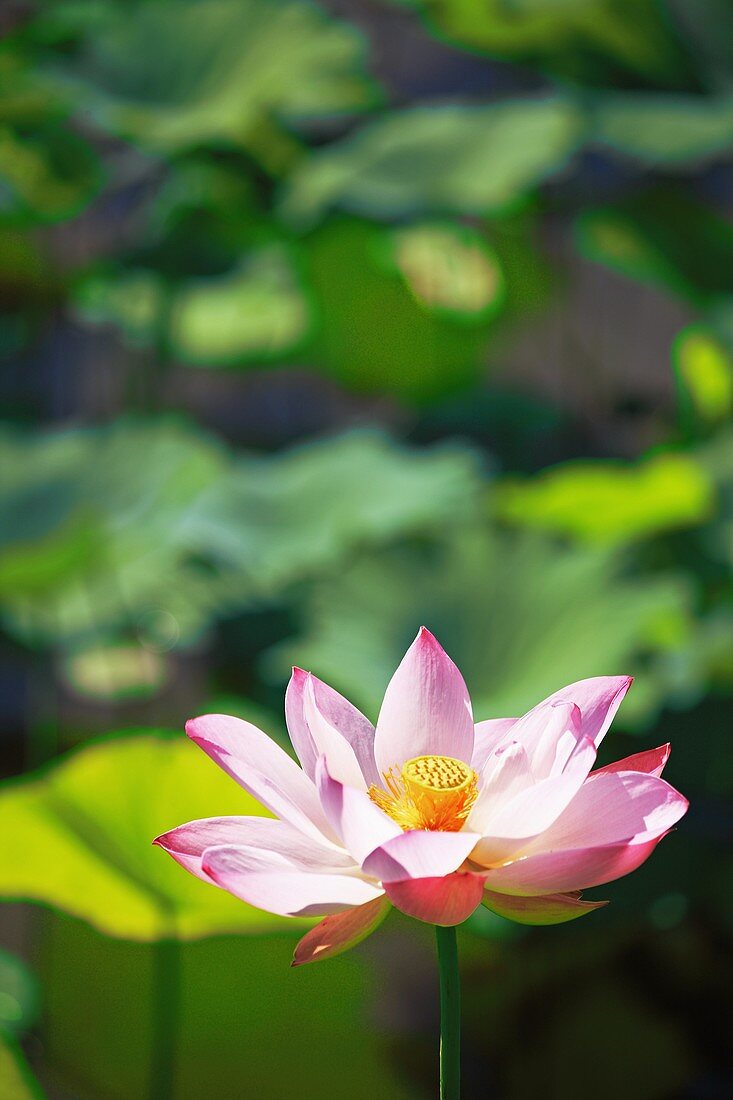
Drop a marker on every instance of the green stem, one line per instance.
(166, 1017)
(450, 1014)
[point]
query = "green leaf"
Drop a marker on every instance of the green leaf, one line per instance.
(92, 525)
(589, 41)
(259, 311)
(16, 1080)
(184, 73)
(110, 530)
(606, 502)
(82, 840)
(520, 616)
(117, 671)
(19, 996)
(364, 489)
(358, 271)
(704, 372)
(130, 299)
(664, 131)
(640, 237)
(48, 173)
(444, 159)
(449, 269)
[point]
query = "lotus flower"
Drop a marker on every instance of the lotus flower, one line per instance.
(427, 812)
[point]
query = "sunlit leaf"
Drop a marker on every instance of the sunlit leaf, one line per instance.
(608, 502)
(445, 159)
(704, 370)
(113, 672)
(82, 840)
(258, 311)
(16, 1080)
(449, 269)
(520, 616)
(188, 72)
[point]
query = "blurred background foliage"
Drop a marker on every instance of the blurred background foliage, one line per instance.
(318, 322)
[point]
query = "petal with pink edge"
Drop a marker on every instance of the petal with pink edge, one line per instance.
(259, 765)
(340, 757)
(651, 762)
(507, 772)
(338, 713)
(340, 932)
(552, 909)
(426, 708)
(598, 699)
(446, 901)
(609, 829)
(572, 869)
(533, 809)
(487, 736)
(187, 843)
(359, 823)
(612, 807)
(269, 881)
(419, 854)
(549, 734)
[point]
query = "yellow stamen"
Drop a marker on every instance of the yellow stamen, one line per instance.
(430, 792)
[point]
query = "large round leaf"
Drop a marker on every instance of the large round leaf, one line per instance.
(520, 615)
(449, 159)
(185, 72)
(79, 838)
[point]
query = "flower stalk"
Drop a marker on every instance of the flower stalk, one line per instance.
(450, 1014)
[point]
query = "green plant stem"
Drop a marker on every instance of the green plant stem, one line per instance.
(166, 1017)
(450, 1014)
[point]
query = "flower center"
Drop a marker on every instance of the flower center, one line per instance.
(430, 792)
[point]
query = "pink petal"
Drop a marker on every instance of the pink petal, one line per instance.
(341, 931)
(300, 735)
(360, 824)
(419, 854)
(426, 708)
(487, 737)
(553, 909)
(340, 757)
(652, 762)
(549, 734)
(445, 901)
(338, 713)
(612, 807)
(269, 881)
(187, 843)
(598, 699)
(259, 765)
(533, 810)
(507, 772)
(609, 829)
(573, 869)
